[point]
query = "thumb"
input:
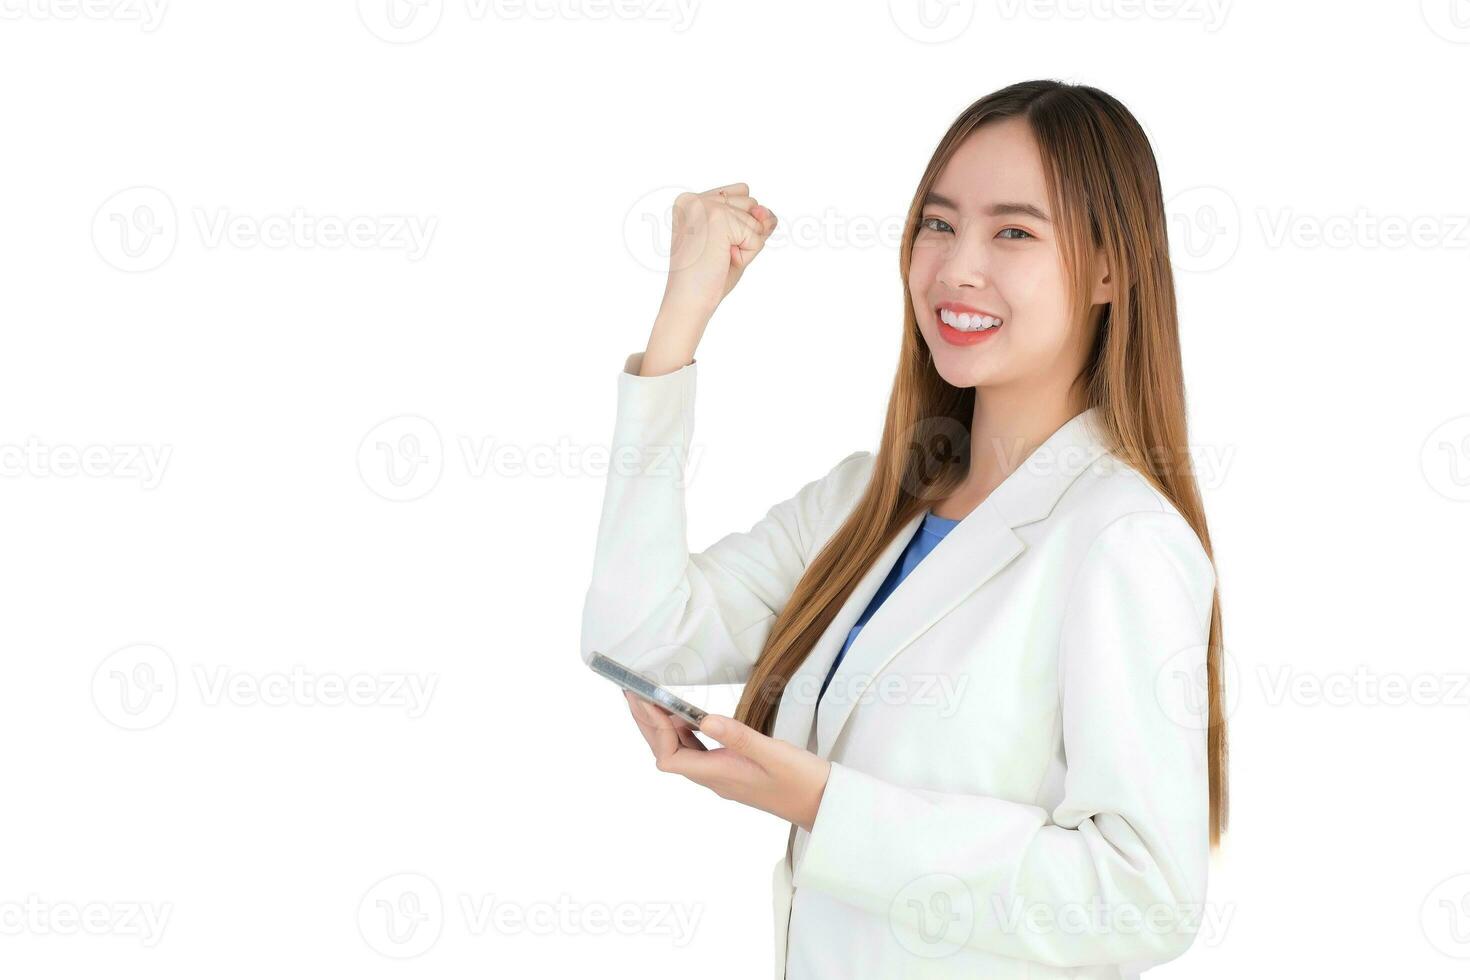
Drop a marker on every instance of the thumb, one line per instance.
(734, 735)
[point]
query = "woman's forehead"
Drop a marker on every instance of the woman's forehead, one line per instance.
(997, 163)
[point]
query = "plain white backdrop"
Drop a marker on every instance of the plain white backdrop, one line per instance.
(312, 321)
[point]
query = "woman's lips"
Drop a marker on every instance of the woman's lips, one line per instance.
(966, 338)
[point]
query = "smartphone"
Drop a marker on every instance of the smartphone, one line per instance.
(631, 680)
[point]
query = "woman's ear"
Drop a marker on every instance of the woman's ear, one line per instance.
(1102, 286)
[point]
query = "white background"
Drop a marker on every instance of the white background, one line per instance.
(162, 303)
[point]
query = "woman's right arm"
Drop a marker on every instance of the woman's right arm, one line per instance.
(687, 618)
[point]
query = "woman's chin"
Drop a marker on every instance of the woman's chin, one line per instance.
(961, 369)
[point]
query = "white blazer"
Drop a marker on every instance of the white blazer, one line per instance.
(1018, 784)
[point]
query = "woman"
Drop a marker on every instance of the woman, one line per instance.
(969, 660)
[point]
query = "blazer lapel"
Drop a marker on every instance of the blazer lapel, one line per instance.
(798, 702)
(973, 552)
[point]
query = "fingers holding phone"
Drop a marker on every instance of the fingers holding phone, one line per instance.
(664, 733)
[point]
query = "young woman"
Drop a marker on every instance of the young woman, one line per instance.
(981, 666)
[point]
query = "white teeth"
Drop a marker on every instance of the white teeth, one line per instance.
(968, 321)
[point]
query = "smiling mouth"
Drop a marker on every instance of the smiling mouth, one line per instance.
(968, 322)
(966, 329)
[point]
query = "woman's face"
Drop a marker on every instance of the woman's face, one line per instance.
(986, 245)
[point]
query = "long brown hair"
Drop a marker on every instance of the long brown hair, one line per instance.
(1104, 189)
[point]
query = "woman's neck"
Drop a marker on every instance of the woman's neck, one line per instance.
(1003, 432)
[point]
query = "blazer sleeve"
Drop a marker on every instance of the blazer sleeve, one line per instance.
(685, 618)
(1116, 872)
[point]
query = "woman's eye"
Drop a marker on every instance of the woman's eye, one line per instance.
(940, 225)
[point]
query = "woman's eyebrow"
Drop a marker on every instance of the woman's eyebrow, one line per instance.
(996, 210)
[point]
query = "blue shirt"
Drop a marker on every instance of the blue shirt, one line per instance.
(931, 531)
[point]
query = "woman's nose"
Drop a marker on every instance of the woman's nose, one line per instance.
(968, 262)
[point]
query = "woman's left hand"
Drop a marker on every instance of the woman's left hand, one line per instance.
(754, 769)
